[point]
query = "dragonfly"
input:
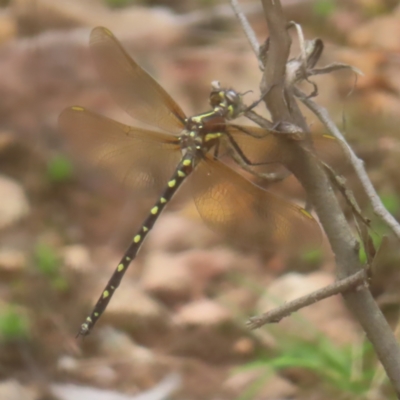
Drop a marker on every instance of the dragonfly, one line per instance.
(180, 149)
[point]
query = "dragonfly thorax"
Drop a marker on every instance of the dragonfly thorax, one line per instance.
(202, 131)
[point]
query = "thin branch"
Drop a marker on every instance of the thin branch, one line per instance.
(248, 30)
(358, 164)
(336, 66)
(285, 310)
(305, 166)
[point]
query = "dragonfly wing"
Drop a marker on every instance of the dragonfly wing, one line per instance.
(247, 214)
(139, 158)
(132, 87)
(265, 147)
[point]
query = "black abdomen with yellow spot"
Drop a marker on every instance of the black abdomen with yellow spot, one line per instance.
(185, 167)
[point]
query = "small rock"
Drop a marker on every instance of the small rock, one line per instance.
(87, 370)
(380, 32)
(274, 387)
(368, 61)
(161, 391)
(187, 274)
(11, 261)
(8, 26)
(238, 298)
(104, 374)
(131, 308)
(328, 316)
(206, 265)
(50, 14)
(345, 21)
(203, 313)
(167, 276)
(13, 390)
(382, 104)
(210, 263)
(114, 343)
(77, 257)
(14, 203)
(244, 346)
(67, 364)
(174, 233)
(7, 139)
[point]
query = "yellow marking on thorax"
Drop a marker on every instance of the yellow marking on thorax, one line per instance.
(186, 163)
(212, 136)
(199, 118)
(77, 108)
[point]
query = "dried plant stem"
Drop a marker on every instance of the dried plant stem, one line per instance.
(248, 30)
(285, 310)
(282, 105)
(358, 164)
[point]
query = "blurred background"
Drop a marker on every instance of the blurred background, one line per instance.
(175, 328)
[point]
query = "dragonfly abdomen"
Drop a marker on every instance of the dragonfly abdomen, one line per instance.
(185, 167)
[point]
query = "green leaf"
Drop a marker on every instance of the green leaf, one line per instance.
(391, 202)
(312, 256)
(59, 169)
(119, 3)
(47, 260)
(13, 324)
(60, 284)
(324, 8)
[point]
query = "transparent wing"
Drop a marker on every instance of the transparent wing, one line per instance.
(329, 150)
(139, 158)
(264, 148)
(132, 87)
(247, 214)
(269, 148)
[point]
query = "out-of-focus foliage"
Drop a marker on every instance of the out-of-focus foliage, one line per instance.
(341, 368)
(48, 262)
(14, 324)
(59, 169)
(46, 259)
(121, 3)
(324, 8)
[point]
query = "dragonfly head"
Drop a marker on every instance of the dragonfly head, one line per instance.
(227, 100)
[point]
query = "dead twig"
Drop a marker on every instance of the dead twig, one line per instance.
(248, 30)
(281, 103)
(278, 313)
(357, 163)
